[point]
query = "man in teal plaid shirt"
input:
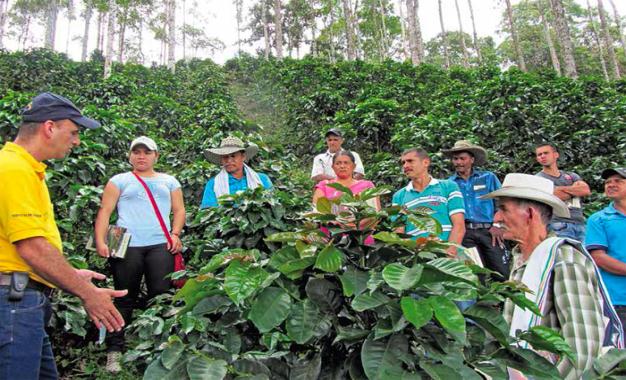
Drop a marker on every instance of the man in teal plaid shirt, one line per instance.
(563, 279)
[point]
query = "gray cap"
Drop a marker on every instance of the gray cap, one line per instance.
(606, 173)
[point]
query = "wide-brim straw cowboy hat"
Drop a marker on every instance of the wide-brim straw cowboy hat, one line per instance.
(479, 153)
(526, 186)
(228, 146)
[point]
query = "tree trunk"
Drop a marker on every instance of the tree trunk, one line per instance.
(108, 57)
(278, 27)
(239, 18)
(52, 13)
(463, 46)
(171, 36)
(4, 7)
(383, 34)
(594, 34)
(266, 30)
(475, 41)
(350, 37)
(405, 39)
(313, 40)
(518, 48)
(70, 17)
(330, 34)
(140, 39)
(185, 34)
(25, 32)
(100, 35)
(608, 40)
(444, 38)
(412, 24)
(618, 20)
(546, 30)
(418, 31)
(87, 15)
(120, 40)
(565, 40)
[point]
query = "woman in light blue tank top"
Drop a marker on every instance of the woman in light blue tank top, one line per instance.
(149, 254)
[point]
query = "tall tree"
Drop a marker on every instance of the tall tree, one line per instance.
(565, 40)
(608, 40)
(416, 45)
(516, 44)
(52, 13)
(108, 56)
(405, 37)
(443, 37)
(239, 18)
(596, 38)
(101, 24)
(87, 13)
(4, 11)
(475, 39)
(171, 35)
(278, 26)
(184, 35)
(463, 45)
(266, 29)
(70, 17)
(383, 31)
(618, 21)
(350, 32)
(554, 58)
(21, 16)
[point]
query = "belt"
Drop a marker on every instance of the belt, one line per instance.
(5, 280)
(477, 226)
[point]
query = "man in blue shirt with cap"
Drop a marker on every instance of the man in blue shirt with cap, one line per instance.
(473, 183)
(606, 239)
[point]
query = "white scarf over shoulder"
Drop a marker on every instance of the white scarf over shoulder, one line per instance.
(221, 187)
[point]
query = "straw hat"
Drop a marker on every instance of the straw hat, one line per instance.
(479, 153)
(526, 186)
(228, 146)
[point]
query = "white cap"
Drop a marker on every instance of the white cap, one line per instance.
(143, 140)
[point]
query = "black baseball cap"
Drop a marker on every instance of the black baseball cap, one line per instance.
(333, 131)
(49, 106)
(606, 173)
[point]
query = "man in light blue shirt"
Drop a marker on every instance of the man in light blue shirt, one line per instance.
(235, 175)
(606, 239)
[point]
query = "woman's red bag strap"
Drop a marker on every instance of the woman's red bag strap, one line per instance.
(179, 262)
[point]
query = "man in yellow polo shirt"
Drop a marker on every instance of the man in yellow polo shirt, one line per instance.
(31, 258)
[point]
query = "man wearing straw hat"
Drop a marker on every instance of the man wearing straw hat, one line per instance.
(562, 278)
(235, 175)
(479, 229)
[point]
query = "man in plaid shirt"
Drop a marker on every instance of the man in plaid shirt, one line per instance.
(571, 296)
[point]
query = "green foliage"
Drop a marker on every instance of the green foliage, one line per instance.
(329, 305)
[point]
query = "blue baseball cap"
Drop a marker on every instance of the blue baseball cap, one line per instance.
(49, 106)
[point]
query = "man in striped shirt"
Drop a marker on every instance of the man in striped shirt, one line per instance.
(441, 198)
